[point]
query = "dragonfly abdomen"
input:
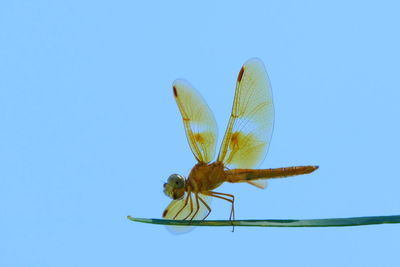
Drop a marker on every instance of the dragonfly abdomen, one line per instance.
(243, 175)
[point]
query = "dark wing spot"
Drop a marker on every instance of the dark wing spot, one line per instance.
(175, 91)
(235, 138)
(199, 138)
(165, 213)
(234, 143)
(240, 76)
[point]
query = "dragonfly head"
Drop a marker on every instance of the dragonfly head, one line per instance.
(175, 186)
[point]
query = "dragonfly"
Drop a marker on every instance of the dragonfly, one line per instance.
(244, 145)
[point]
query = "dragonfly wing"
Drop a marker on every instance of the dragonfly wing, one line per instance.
(185, 212)
(262, 184)
(198, 120)
(250, 126)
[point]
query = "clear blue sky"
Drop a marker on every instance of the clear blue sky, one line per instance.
(90, 129)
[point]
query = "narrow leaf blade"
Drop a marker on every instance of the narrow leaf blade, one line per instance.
(331, 222)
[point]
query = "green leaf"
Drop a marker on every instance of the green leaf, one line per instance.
(334, 222)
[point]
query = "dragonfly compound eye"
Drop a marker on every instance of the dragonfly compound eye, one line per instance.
(175, 186)
(176, 181)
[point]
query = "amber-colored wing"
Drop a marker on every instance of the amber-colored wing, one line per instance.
(186, 211)
(251, 123)
(198, 120)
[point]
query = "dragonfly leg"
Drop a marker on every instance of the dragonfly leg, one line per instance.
(197, 206)
(184, 205)
(191, 207)
(208, 207)
(231, 200)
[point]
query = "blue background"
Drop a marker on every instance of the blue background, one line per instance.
(90, 129)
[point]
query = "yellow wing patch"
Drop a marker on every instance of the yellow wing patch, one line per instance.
(245, 150)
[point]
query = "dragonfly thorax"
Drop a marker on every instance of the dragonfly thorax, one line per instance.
(175, 186)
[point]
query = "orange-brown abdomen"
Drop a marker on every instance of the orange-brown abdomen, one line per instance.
(244, 175)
